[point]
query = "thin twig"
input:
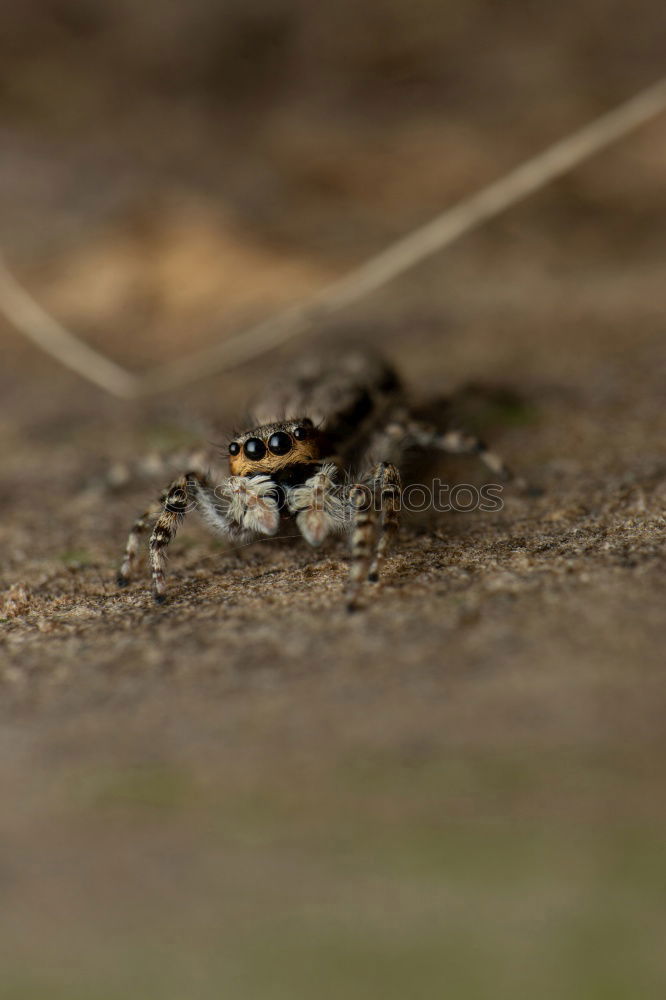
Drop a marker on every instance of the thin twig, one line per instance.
(398, 258)
(28, 317)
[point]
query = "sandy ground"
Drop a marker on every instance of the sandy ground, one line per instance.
(247, 793)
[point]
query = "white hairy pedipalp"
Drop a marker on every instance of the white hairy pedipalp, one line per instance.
(318, 505)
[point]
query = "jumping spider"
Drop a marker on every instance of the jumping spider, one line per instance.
(337, 414)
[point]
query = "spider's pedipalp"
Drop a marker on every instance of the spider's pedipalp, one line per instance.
(318, 505)
(253, 503)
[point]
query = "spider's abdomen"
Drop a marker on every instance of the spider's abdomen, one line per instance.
(337, 391)
(346, 394)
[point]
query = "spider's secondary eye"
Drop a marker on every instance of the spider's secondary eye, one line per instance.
(279, 443)
(234, 448)
(301, 433)
(254, 449)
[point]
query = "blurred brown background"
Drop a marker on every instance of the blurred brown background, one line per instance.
(245, 794)
(170, 171)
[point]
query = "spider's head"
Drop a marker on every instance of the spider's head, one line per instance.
(274, 447)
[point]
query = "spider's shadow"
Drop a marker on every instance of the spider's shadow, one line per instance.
(485, 409)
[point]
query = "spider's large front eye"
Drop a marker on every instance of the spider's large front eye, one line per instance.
(279, 443)
(254, 449)
(234, 448)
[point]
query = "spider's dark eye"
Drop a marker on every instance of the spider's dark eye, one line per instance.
(234, 448)
(254, 449)
(301, 433)
(279, 443)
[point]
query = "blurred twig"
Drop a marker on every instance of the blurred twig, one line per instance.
(24, 313)
(32, 321)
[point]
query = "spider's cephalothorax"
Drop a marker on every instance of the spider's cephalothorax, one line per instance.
(286, 450)
(337, 413)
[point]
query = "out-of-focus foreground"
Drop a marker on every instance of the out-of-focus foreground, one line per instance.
(245, 793)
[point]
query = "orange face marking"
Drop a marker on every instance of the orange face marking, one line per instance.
(300, 452)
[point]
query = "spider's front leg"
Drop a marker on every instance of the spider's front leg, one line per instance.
(375, 508)
(387, 487)
(238, 508)
(132, 549)
(185, 493)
